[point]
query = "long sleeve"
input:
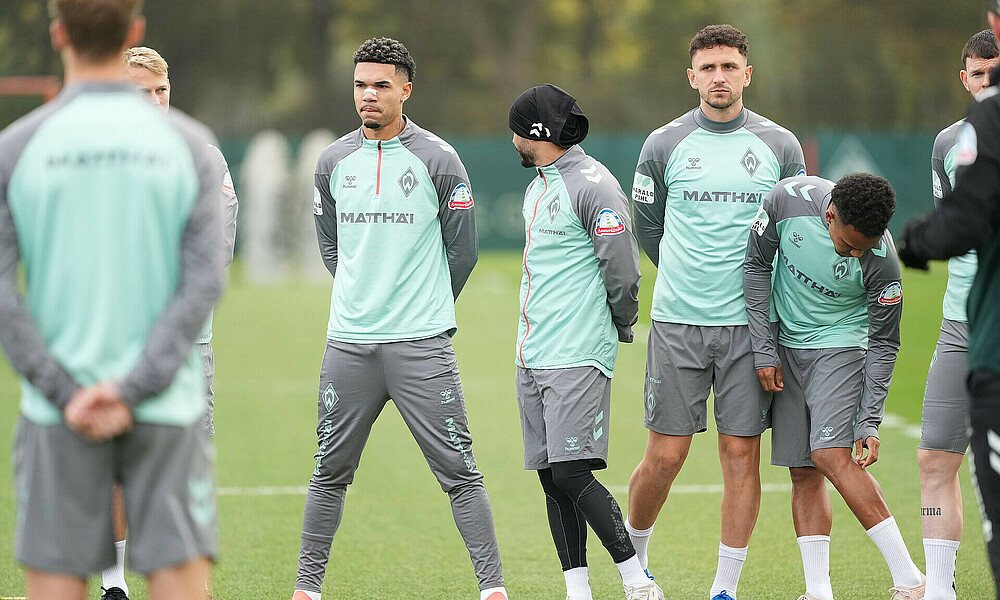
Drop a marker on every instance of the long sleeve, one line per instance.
(762, 245)
(456, 211)
(617, 254)
(649, 203)
(325, 215)
(881, 274)
(201, 281)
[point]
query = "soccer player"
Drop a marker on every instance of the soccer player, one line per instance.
(698, 184)
(113, 204)
(147, 69)
(945, 425)
(579, 298)
(969, 218)
(838, 298)
(394, 215)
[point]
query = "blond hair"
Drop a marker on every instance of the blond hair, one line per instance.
(145, 58)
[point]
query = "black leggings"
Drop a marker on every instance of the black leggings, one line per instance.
(575, 498)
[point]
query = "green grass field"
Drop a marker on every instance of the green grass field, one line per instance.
(398, 540)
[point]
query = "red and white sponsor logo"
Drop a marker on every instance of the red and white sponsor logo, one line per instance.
(227, 185)
(891, 294)
(609, 223)
(461, 198)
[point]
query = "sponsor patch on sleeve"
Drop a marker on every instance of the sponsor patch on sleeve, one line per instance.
(642, 188)
(317, 203)
(227, 185)
(609, 223)
(461, 198)
(761, 222)
(936, 185)
(891, 294)
(967, 145)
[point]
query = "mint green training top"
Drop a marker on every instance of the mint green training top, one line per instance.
(111, 206)
(961, 269)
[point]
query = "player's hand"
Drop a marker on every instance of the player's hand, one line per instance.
(771, 379)
(872, 444)
(98, 412)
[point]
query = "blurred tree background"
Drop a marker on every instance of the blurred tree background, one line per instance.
(243, 65)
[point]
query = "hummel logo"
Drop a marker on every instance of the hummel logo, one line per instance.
(796, 239)
(827, 433)
(350, 182)
(447, 396)
(572, 444)
(693, 163)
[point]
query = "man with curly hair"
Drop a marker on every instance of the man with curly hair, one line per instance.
(698, 184)
(394, 215)
(838, 299)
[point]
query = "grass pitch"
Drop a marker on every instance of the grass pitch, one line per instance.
(398, 540)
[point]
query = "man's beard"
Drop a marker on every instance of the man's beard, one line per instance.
(372, 124)
(723, 104)
(527, 161)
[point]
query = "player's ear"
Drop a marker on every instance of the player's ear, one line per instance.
(690, 74)
(407, 90)
(964, 76)
(747, 74)
(58, 35)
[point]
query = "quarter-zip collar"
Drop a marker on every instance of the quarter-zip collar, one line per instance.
(564, 163)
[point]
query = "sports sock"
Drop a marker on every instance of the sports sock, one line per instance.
(727, 575)
(321, 518)
(890, 543)
(312, 595)
(632, 572)
(940, 555)
(815, 551)
(640, 541)
(470, 505)
(578, 584)
(115, 576)
(566, 522)
(484, 594)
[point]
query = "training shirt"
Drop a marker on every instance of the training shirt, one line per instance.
(823, 300)
(111, 206)
(969, 218)
(697, 189)
(961, 269)
(580, 269)
(230, 207)
(397, 231)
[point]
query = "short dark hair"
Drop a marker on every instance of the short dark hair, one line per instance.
(981, 45)
(96, 28)
(387, 51)
(719, 35)
(865, 202)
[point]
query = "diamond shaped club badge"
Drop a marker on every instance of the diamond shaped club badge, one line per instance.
(408, 182)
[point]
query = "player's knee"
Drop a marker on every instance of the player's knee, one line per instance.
(807, 479)
(741, 454)
(831, 461)
(935, 468)
(572, 477)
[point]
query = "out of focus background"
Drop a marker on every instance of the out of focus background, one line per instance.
(865, 85)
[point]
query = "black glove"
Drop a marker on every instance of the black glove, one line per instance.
(909, 255)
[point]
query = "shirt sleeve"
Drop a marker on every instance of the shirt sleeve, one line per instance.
(971, 212)
(885, 309)
(456, 211)
(325, 216)
(649, 202)
(616, 250)
(201, 281)
(793, 161)
(230, 207)
(762, 245)
(22, 341)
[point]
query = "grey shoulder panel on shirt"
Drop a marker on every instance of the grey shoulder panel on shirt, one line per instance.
(436, 154)
(945, 140)
(802, 196)
(338, 151)
(16, 136)
(881, 264)
(782, 142)
(662, 141)
(588, 181)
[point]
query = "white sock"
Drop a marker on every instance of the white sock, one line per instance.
(115, 576)
(940, 555)
(815, 551)
(890, 543)
(727, 575)
(640, 541)
(484, 594)
(578, 584)
(632, 572)
(312, 595)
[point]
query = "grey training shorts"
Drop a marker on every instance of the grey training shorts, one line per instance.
(945, 421)
(421, 377)
(63, 484)
(685, 363)
(564, 415)
(818, 406)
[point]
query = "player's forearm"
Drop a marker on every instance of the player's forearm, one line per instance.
(462, 244)
(879, 364)
(649, 234)
(229, 227)
(618, 261)
(757, 295)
